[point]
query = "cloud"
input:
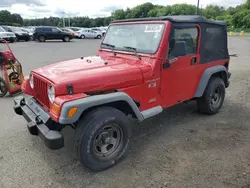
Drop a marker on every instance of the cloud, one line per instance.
(62, 12)
(91, 8)
(9, 3)
(38, 9)
(111, 8)
(100, 15)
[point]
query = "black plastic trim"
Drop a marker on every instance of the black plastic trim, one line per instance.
(52, 139)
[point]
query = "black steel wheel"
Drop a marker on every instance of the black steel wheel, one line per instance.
(3, 87)
(107, 141)
(213, 97)
(102, 137)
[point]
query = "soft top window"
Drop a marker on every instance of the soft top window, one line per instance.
(213, 43)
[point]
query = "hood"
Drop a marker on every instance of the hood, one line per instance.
(93, 73)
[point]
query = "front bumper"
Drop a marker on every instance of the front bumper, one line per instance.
(23, 37)
(37, 120)
(10, 39)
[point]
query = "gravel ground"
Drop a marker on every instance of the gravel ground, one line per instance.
(178, 148)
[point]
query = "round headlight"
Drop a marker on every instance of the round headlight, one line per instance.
(31, 81)
(51, 93)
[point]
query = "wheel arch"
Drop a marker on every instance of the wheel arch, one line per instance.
(118, 100)
(216, 71)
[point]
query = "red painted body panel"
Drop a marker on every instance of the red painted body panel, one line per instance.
(143, 80)
(93, 73)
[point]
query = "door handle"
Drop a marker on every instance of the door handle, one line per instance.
(166, 64)
(193, 60)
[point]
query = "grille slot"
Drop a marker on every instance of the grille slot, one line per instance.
(41, 91)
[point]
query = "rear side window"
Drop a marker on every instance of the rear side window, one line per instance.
(213, 44)
(43, 29)
(187, 37)
(55, 30)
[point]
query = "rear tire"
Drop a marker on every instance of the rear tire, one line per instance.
(102, 138)
(213, 98)
(66, 39)
(99, 36)
(41, 38)
(3, 87)
(82, 37)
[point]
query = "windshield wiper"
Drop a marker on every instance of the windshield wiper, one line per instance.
(111, 46)
(133, 49)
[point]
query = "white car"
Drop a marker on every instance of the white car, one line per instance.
(102, 31)
(8, 36)
(88, 33)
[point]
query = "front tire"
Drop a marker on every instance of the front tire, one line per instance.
(102, 138)
(213, 98)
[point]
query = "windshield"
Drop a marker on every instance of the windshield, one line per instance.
(2, 30)
(145, 38)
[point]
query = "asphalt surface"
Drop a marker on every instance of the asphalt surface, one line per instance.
(178, 148)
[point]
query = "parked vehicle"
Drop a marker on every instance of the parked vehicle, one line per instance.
(51, 33)
(76, 28)
(88, 33)
(165, 61)
(69, 30)
(20, 35)
(29, 31)
(102, 31)
(8, 36)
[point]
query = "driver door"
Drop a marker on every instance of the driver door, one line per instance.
(179, 69)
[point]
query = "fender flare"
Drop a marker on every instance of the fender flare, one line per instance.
(96, 100)
(206, 77)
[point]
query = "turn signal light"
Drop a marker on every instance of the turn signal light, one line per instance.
(72, 112)
(55, 109)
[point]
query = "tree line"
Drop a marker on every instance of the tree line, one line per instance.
(236, 17)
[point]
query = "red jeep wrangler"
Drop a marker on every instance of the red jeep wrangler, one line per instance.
(142, 67)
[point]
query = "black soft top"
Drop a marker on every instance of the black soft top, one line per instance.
(213, 44)
(177, 19)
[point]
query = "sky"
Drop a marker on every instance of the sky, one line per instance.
(91, 8)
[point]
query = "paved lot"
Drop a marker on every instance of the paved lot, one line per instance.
(178, 148)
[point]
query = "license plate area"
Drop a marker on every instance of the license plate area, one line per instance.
(37, 109)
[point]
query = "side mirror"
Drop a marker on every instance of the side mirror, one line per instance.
(179, 49)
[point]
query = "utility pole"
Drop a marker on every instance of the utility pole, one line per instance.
(63, 21)
(69, 20)
(197, 9)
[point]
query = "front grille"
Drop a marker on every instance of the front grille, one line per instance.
(41, 91)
